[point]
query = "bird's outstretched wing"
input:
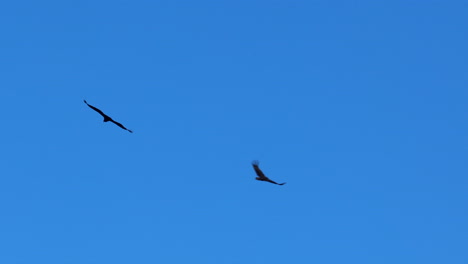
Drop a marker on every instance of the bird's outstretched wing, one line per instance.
(121, 126)
(268, 180)
(258, 171)
(106, 117)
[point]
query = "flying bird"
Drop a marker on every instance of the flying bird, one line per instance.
(261, 176)
(106, 117)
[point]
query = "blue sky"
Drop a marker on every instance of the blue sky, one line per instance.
(360, 106)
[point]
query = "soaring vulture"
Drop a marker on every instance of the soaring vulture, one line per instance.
(106, 117)
(261, 176)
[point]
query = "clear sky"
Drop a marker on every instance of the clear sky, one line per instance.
(360, 106)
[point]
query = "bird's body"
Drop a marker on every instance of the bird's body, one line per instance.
(261, 176)
(106, 117)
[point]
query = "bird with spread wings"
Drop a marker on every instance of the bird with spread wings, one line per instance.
(261, 176)
(107, 118)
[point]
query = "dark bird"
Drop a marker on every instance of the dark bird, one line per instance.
(106, 117)
(261, 176)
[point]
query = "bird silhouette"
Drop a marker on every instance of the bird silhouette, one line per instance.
(106, 117)
(261, 176)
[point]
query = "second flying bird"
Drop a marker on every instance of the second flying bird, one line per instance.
(106, 117)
